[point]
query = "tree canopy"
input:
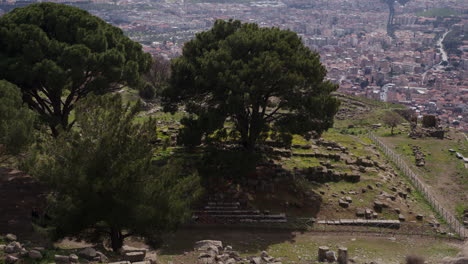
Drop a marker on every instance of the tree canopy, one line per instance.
(57, 54)
(102, 177)
(263, 81)
(392, 119)
(16, 121)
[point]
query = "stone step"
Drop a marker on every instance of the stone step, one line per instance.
(228, 212)
(362, 222)
(221, 208)
(264, 221)
(223, 204)
(257, 217)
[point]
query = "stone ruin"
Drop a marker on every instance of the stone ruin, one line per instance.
(327, 255)
(222, 212)
(213, 252)
(325, 173)
(16, 252)
(418, 155)
(421, 132)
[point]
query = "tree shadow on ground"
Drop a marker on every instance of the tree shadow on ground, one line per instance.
(20, 194)
(243, 240)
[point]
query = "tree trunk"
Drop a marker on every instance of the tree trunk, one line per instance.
(116, 239)
(392, 131)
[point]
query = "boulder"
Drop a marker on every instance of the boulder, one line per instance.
(60, 259)
(331, 256)
(88, 253)
(256, 260)
(360, 212)
(102, 258)
(11, 259)
(23, 252)
(230, 261)
(378, 206)
(343, 203)
(13, 247)
(368, 213)
(10, 249)
(73, 258)
(402, 195)
(34, 254)
(135, 256)
(213, 249)
(40, 249)
(401, 217)
(204, 244)
(11, 237)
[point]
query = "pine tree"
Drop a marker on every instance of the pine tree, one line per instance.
(102, 177)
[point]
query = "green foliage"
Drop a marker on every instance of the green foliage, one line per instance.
(57, 54)
(103, 179)
(16, 121)
(392, 119)
(217, 166)
(260, 79)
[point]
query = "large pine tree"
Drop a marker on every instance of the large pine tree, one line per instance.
(260, 79)
(102, 176)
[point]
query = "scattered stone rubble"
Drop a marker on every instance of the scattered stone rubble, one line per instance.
(15, 251)
(323, 174)
(418, 155)
(213, 252)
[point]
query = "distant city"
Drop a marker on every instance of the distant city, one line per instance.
(425, 66)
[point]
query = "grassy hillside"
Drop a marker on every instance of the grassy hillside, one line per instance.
(379, 180)
(443, 171)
